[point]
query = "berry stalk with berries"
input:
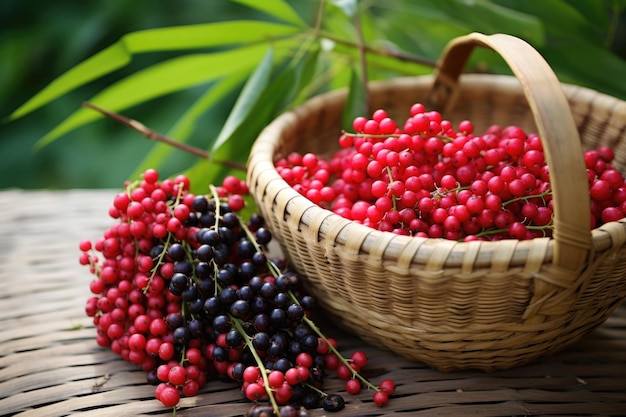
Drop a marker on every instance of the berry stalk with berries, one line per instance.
(184, 287)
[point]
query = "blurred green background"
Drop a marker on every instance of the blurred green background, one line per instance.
(41, 40)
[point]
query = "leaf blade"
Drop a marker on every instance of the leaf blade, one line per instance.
(120, 53)
(161, 79)
(249, 95)
(276, 8)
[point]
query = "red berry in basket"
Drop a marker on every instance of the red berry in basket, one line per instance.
(611, 214)
(600, 190)
(607, 154)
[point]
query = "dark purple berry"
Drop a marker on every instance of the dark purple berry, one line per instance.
(333, 402)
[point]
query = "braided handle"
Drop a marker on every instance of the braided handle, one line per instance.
(555, 124)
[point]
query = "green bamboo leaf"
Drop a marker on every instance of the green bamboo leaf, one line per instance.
(236, 149)
(248, 97)
(277, 8)
(308, 71)
(485, 16)
(167, 77)
(356, 101)
(597, 77)
(177, 38)
(559, 19)
(267, 106)
(186, 124)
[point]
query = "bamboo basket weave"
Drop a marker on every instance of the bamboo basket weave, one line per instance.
(459, 305)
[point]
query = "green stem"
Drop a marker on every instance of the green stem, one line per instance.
(393, 135)
(258, 361)
(400, 56)
(488, 232)
(526, 198)
(216, 199)
(355, 374)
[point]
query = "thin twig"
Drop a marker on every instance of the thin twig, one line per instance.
(319, 18)
(156, 136)
(400, 56)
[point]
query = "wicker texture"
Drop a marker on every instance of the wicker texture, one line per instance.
(454, 305)
(51, 365)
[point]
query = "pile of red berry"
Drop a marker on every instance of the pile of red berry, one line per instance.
(185, 289)
(430, 179)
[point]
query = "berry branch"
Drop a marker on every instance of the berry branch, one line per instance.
(186, 291)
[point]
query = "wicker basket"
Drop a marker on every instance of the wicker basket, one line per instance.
(457, 305)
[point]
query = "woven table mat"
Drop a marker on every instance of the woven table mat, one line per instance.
(50, 364)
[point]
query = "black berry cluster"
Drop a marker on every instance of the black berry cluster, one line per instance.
(184, 288)
(428, 178)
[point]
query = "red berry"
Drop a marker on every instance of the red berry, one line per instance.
(359, 358)
(177, 375)
(169, 396)
(353, 386)
(276, 379)
(190, 388)
(251, 374)
(388, 386)
(151, 176)
(381, 398)
(611, 214)
(600, 190)
(255, 391)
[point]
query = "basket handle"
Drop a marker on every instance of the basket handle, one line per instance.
(556, 126)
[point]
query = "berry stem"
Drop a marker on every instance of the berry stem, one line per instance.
(495, 231)
(258, 361)
(393, 135)
(216, 199)
(527, 197)
(355, 373)
(393, 196)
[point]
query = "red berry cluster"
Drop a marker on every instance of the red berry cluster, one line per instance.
(184, 288)
(430, 179)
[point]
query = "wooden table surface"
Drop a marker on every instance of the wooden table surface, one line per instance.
(50, 364)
